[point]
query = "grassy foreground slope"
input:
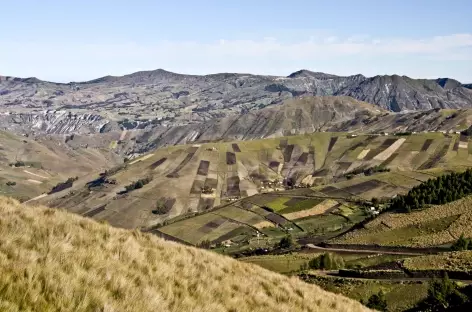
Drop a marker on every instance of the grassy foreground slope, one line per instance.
(52, 260)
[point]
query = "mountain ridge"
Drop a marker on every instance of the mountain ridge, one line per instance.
(300, 72)
(170, 99)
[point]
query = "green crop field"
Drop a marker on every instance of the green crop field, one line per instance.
(323, 224)
(301, 205)
(278, 203)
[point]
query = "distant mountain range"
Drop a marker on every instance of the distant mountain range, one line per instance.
(147, 99)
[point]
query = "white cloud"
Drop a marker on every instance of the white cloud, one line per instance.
(80, 61)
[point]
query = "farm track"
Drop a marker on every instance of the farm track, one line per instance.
(372, 250)
(36, 175)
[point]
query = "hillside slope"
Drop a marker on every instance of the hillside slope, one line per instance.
(35, 165)
(197, 177)
(294, 116)
(436, 225)
(53, 260)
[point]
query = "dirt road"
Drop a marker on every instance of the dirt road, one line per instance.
(373, 251)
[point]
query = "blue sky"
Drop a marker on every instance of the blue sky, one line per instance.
(81, 40)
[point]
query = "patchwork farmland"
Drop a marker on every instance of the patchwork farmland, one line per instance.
(244, 198)
(200, 177)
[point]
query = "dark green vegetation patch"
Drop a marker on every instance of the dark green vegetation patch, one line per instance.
(438, 191)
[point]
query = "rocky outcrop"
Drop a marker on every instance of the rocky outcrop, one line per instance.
(399, 93)
(52, 122)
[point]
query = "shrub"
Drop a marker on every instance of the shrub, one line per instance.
(161, 208)
(467, 132)
(69, 138)
(19, 164)
(377, 302)
(138, 184)
(365, 171)
(372, 170)
(205, 244)
(63, 185)
(326, 261)
(268, 209)
(304, 267)
(403, 133)
(287, 242)
(462, 244)
(11, 183)
(207, 189)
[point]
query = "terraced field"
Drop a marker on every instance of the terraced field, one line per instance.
(200, 177)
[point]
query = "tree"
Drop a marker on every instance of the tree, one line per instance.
(461, 244)
(377, 302)
(441, 190)
(326, 261)
(139, 184)
(375, 201)
(205, 244)
(287, 242)
(161, 208)
(443, 295)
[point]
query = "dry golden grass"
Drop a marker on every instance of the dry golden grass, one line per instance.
(51, 260)
(263, 224)
(452, 261)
